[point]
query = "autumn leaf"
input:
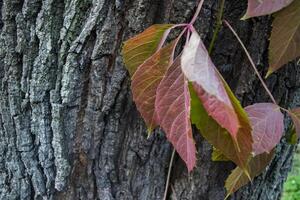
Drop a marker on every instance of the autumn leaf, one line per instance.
(139, 48)
(200, 70)
(267, 124)
(173, 110)
(285, 38)
(238, 178)
(219, 137)
(295, 115)
(245, 129)
(217, 155)
(264, 7)
(146, 80)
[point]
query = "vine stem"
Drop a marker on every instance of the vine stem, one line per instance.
(169, 174)
(218, 26)
(251, 62)
(166, 33)
(197, 12)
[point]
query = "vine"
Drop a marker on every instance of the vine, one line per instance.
(218, 26)
(175, 91)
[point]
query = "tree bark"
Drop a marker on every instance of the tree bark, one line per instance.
(68, 126)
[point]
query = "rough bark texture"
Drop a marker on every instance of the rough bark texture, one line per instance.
(68, 126)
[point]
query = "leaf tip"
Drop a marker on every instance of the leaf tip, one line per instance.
(270, 71)
(190, 169)
(247, 174)
(149, 132)
(245, 17)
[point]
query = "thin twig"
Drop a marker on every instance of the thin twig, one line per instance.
(252, 63)
(169, 174)
(197, 12)
(218, 26)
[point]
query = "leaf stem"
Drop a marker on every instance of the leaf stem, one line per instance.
(166, 34)
(251, 61)
(218, 26)
(169, 174)
(197, 12)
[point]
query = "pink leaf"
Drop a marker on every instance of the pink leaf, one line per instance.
(295, 115)
(264, 7)
(173, 110)
(267, 124)
(200, 70)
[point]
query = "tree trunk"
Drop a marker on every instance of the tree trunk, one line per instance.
(69, 128)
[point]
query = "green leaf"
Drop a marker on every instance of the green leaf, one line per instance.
(239, 150)
(285, 38)
(217, 155)
(238, 178)
(139, 48)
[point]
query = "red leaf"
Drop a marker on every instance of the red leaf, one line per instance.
(200, 70)
(295, 115)
(264, 7)
(173, 110)
(267, 126)
(146, 80)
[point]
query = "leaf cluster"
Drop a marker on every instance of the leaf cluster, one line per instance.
(174, 92)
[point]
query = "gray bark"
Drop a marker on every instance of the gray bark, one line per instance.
(68, 126)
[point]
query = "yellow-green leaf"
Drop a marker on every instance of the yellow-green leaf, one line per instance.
(217, 155)
(285, 38)
(238, 178)
(139, 48)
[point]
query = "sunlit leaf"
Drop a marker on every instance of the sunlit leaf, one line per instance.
(139, 48)
(146, 80)
(264, 7)
(219, 137)
(285, 38)
(173, 110)
(295, 115)
(200, 70)
(238, 178)
(267, 124)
